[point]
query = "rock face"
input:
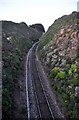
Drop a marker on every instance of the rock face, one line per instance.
(63, 47)
(56, 26)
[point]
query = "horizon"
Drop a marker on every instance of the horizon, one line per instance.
(33, 11)
(37, 23)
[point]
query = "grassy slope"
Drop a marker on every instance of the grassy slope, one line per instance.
(64, 20)
(16, 41)
(13, 53)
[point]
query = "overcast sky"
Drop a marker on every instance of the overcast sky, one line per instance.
(36, 11)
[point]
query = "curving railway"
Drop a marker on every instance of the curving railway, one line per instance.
(38, 100)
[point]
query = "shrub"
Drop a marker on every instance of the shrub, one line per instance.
(64, 83)
(61, 74)
(73, 68)
(54, 72)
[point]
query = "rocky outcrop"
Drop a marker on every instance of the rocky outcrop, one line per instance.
(39, 27)
(63, 47)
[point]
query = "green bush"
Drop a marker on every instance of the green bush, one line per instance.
(54, 72)
(64, 83)
(61, 74)
(73, 68)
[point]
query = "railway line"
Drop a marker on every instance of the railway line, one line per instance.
(38, 103)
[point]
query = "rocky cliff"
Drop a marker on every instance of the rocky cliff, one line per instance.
(59, 53)
(62, 49)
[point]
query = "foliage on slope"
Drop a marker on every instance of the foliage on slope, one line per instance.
(53, 29)
(16, 41)
(59, 53)
(12, 57)
(65, 82)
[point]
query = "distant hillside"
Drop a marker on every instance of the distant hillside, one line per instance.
(39, 27)
(59, 54)
(21, 30)
(17, 38)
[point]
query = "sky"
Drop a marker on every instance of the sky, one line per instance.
(36, 11)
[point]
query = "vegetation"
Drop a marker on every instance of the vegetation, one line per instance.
(60, 63)
(17, 40)
(12, 59)
(54, 28)
(64, 82)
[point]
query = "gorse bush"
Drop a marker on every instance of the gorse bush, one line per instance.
(64, 82)
(61, 74)
(54, 72)
(73, 67)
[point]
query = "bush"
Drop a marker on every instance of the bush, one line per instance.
(54, 72)
(61, 74)
(64, 83)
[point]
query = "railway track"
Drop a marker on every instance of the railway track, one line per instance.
(42, 104)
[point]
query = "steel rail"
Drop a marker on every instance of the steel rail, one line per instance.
(41, 85)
